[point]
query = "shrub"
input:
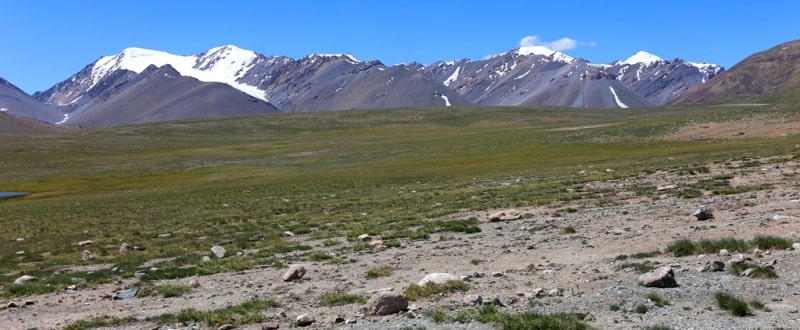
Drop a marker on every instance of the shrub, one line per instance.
(569, 230)
(758, 271)
(771, 242)
(340, 299)
(682, 247)
(658, 300)
(732, 304)
(381, 271)
(414, 292)
(640, 309)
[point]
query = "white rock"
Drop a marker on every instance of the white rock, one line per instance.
(219, 251)
(438, 278)
(295, 272)
(25, 279)
(505, 215)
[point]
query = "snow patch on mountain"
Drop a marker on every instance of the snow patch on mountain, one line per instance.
(224, 64)
(642, 57)
(616, 98)
(453, 77)
(544, 51)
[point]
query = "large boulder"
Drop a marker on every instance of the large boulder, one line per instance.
(663, 277)
(385, 303)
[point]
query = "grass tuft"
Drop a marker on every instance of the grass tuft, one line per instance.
(382, 271)
(735, 306)
(415, 292)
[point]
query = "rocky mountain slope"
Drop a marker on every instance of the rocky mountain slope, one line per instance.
(158, 94)
(773, 72)
(15, 102)
(535, 75)
(525, 76)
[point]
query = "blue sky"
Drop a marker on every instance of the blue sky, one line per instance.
(44, 42)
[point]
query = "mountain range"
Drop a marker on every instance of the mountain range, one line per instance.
(140, 85)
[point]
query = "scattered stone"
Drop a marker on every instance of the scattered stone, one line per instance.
(703, 213)
(206, 259)
(225, 327)
(125, 247)
(724, 253)
(194, 283)
(538, 292)
(714, 266)
(85, 243)
(555, 292)
(505, 215)
(19, 253)
(663, 277)
(504, 300)
(473, 300)
(219, 251)
(747, 272)
(666, 187)
(87, 255)
(737, 259)
(364, 238)
(385, 303)
(338, 320)
(350, 321)
(438, 278)
(498, 274)
(288, 234)
(295, 272)
(124, 294)
(25, 279)
(305, 320)
(256, 237)
(270, 326)
(12, 304)
(165, 235)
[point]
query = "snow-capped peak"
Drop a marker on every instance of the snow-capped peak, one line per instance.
(347, 56)
(544, 51)
(642, 57)
(223, 64)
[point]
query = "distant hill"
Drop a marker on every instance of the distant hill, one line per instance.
(162, 94)
(772, 73)
(15, 102)
(17, 125)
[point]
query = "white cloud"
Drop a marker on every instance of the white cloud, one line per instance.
(557, 45)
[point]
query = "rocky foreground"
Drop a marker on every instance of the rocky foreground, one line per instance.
(581, 256)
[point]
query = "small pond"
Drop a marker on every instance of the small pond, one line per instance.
(9, 194)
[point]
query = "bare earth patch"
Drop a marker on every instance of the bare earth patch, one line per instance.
(544, 267)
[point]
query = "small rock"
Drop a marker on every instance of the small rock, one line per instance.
(206, 259)
(270, 326)
(703, 213)
(288, 234)
(724, 253)
(473, 300)
(305, 320)
(503, 300)
(714, 266)
(165, 235)
(438, 278)
(12, 304)
(194, 283)
(225, 327)
(663, 277)
(737, 259)
(25, 279)
(364, 238)
(338, 320)
(505, 215)
(385, 303)
(295, 272)
(666, 187)
(350, 321)
(498, 274)
(85, 243)
(555, 292)
(219, 251)
(87, 256)
(747, 272)
(796, 246)
(125, 247)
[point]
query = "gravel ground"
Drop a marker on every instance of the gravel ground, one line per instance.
(519, 258)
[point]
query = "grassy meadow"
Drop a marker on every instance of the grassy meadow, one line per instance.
(242, 182)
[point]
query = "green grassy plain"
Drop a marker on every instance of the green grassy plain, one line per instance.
(326, 175)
